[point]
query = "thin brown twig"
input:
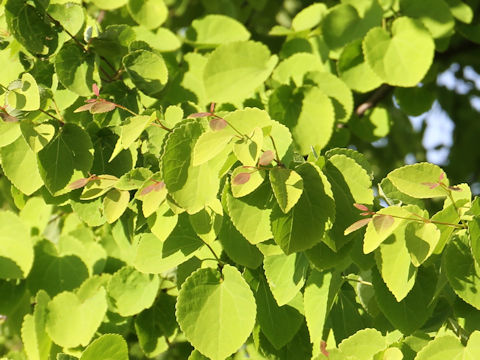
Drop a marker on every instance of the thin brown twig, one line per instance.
(373, 100)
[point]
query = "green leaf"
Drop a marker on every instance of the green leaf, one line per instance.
(353, 69)
(91, 211)
(413, 311)
(148, 13)
(109, 4)
(319, 294)
(351, 184)
(248, 150)
(305, 128)
(210, 144)
(27, 96)
(278, 323)
(363, 345)
(337, 90)
(9, 132)
(435, 15)
(309, 17)
(133, 179)
(107, 347)
(53, 273)
(36, 342)
(192, 187)
(251, 213)
(462, 272)
(17, 160)
(377, 232)
(415, 101)
(460, 10)
(421, 240)
(70, 15)
(419, 180)
(343, 24)
(245, 180)
(162, 222)
(207, 222)
(156, 325)
(130, 292)
(402, 59)
(215, 29)
(295, 67)
(68, 311)
(29, 26)
(152, 194)
(131, 130)
(114, 204)
(214, 305)
(155, 256)
(443, 347)
(237, 247)
(287, 187)
(305, 224)
(234, 70)
(286, 275)
(16, 248)
(74, 69)
(147, 70)
(70, 153)
(37, 135)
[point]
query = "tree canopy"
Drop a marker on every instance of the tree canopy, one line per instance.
(241, 179)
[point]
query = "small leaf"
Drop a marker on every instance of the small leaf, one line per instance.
(217, 124)
(266, 158)
(77, 184)
(382, 222)
(430, 185)
(361, 207)
(95, 89)
(157, 186)
(102, 106)
(85, 107)
(198, 115)
(356, 225)
(212, 107)
(241, 178)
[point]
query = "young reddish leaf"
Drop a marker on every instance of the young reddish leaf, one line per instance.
(241, 178)
(356, 225)
(441, 177)
(156, 186)
(102, 106)
(85, 107)
(430, 185)
(212, 107)
(361, 207)
(7, 117)
(217, 124)
(77, 184)
(382, 222)
(266, 158)
(198, 115)
(367, 213)
(323, 348)
(95, 89)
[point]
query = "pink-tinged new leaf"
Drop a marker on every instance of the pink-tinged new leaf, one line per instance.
(156, 186)
(217, 124)
(361, 207)
(266, 158)
(102, 107)
(95, 89)
(323, 348)
(212, 107)
(7, 117)
(356, 225)
(367, 213)
(241, 178)
(382, 222)
(77, 184)
(441, 177)
(198, 115)
(85, 107)
(430, 185)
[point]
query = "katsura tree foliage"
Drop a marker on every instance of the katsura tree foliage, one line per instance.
(226, 179)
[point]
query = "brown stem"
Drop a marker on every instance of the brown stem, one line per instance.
(52, 116)
(57, 23)
(373, 100)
